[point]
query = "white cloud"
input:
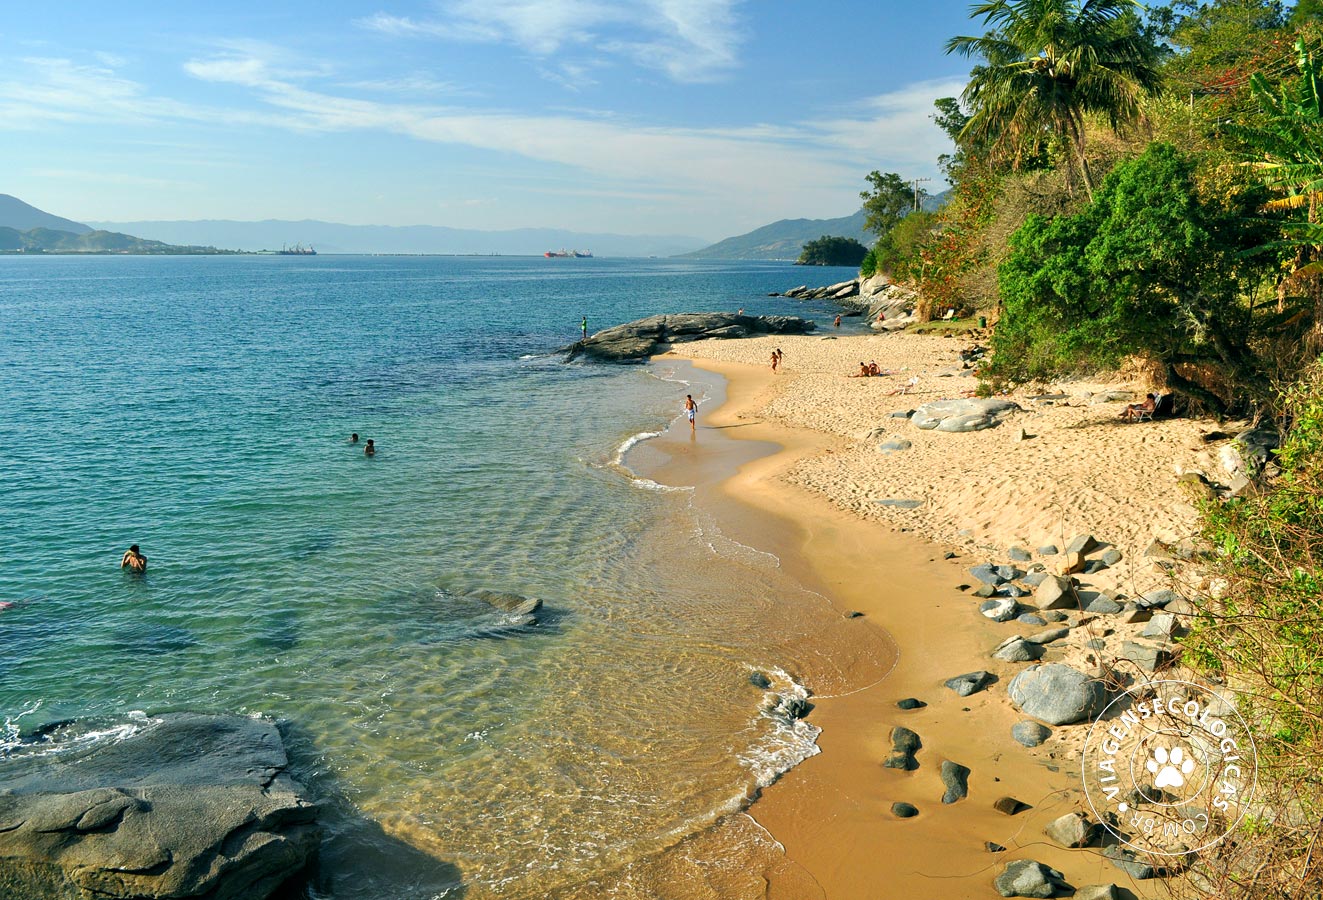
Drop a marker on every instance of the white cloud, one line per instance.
(689, 40)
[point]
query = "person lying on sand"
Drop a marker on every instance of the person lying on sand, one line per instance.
(873, 368)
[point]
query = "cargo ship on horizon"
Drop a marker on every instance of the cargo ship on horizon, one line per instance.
(298, 250)
(565, 254)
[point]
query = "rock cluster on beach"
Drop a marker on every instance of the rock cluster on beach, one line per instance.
(886, 306)
(645, 337)
(191, 805)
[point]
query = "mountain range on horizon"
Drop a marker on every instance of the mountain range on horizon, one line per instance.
(332, 237)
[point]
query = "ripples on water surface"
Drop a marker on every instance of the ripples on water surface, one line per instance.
(200, 407)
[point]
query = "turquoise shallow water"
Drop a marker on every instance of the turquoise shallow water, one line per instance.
(200, 407)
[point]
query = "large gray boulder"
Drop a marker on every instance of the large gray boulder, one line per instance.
(1057, 694)
(643, 338)
(1029, 878)
(190, 805)
(972, 414)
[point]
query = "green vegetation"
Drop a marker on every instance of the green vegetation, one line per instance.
(47, 240)
(832, 251)
(1144, 187)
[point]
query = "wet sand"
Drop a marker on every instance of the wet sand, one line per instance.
(832, 813)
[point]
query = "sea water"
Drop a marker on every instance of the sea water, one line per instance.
(201, 407)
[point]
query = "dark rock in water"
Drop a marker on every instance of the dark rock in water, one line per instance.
(904, 810)
(955, 778)
(1028, 878)
(969, 683)
(155, 639)
(796, 707)
(759, 680)
(521, 611)
(643, 338)
(910, 703)
(190, 806)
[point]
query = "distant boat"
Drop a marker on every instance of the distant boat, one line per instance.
(298, 250)
(564, 254)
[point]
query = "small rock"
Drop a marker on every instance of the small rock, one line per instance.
(1155, 599)
(1031, 619)
(1048, 550)
(904, 744)
(1097, 892)
(993, 848)
(1019, 554)
(969, 683)
(1133, 613)
(1094, 566)
(1163, 626)
(901, 414)
(956, 779)
(1030, 733)
(1034, 579)
(1017, 649)
(985, 590)
(1009, 806)
(1057, 694)
(1011, 590)
(1071, 563)
(759, 680)
(1101, 605)
(1111, 556)
(1073, 830)
(854, 614)
(988, 574)
(1096, 644)
(910, 703)
(949, 555)
(899, 503)
(999, 610)
(904, 810)
(1145, 656)
(1055, 592)
(894, 445)
(1055, 615)
(1129, 863)
(1008, 573)
(1082, 544)
(1048, 636)
(1028, 878)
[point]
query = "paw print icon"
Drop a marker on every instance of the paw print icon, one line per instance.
(1171, 767)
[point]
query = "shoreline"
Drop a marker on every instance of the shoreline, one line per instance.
(832, 812)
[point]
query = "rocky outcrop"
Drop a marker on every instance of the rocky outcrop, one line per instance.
(886, 306)
(188, 806)
(643, 338)
(973, 414)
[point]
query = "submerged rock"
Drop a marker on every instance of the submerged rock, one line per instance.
(190, 806)
(643, 338)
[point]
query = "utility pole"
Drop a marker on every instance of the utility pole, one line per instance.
(915, 182)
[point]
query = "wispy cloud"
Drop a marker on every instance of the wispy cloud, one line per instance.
(688, 40)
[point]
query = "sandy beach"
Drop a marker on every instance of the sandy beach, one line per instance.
(1056, 469)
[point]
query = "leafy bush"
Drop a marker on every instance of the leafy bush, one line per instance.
(832, 251)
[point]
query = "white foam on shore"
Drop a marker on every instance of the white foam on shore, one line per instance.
(630, 442)
(12, 745)
(790, 740)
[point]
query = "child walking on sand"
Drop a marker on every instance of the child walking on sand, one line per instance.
(691, 410)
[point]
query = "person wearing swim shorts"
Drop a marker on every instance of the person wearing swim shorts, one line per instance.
(691, 410)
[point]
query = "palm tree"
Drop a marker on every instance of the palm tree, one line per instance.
(1047, 65)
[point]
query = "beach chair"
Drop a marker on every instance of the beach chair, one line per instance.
(949, 314)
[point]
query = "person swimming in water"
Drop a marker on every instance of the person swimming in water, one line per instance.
(370, 449)
(353, 438)
(133, 560)
(691, 410)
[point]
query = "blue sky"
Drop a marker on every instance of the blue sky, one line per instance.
(699, 117)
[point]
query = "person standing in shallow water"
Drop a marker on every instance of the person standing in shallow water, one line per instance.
(133, 560)
(370, 449)
(353, 438)
(691, 410)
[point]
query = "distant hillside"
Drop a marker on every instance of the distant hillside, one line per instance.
(329, 237)
(786, 238)
(20, 216)
(49, 240)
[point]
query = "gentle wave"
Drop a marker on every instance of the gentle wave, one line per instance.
(69, 738)
(630, 442)
(791, 740)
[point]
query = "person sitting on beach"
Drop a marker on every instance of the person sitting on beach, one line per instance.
(370, 449)
(863, 371)
(1134, 411)
(133, 560)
